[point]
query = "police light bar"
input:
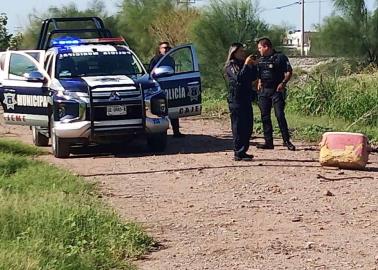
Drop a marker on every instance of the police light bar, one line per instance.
(68, 41)
(64, 41)
(104, 40)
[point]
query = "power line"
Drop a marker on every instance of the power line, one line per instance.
(302, 26)
(187, 3)
(294, 4)
(289, 5)
(281, 7)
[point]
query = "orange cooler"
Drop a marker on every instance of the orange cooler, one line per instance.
(344, 150)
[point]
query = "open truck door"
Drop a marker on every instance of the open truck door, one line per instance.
(24, 92)
(182, 84)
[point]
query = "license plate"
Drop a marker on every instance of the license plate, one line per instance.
(116, 110)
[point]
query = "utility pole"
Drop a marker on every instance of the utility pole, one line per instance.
(320, 12)
(302, 31)
(320, 21)
(186, 3)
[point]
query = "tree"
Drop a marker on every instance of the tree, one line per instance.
(174, 26)
(222, 23)
(15, 41)
(4, 35)
(97, 8)
(135, 20)
(351, 33)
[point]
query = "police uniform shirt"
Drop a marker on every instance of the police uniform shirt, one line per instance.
(168, 61)
(271, 71)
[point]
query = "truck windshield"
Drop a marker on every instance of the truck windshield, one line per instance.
(97, 64)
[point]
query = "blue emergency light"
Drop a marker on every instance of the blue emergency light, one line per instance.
(69, 41)
(65, 41)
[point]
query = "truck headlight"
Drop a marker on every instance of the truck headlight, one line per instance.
(159, 106)
(65, 110)
(61, 111)
(68, 95)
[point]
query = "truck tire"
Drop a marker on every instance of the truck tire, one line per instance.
(157, 142)
(60, 148)
(39, 139)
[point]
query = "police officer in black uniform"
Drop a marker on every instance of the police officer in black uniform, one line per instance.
(162, 49)
(274, 72)
(240, 72)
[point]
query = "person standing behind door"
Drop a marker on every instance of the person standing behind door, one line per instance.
(162, 49)
(274, 72)
(240, 72)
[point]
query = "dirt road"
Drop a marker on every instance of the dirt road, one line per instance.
(209, 212)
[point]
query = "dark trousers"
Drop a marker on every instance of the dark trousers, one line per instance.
(241, 125)
(175, 123)
(277, 101)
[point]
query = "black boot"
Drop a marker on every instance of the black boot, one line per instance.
(266, 145)
(176, 128)
(178, 134)
(289, 145)
(243, 157)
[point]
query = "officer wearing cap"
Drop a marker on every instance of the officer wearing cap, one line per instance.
(240, 71)
(274, 72)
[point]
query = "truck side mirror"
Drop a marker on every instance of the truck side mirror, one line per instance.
(34, 76)
(163, 71)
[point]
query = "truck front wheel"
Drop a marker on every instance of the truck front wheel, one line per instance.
(60, 148)
(157, 142)
(39, 139)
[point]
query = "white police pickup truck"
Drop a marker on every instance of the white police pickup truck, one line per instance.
(78, 91)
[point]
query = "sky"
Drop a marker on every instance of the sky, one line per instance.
(18, 10)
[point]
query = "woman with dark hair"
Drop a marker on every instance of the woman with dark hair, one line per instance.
(240, 72)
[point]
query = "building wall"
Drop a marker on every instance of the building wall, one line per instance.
(294, 40)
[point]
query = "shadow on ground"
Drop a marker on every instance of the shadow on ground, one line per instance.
(190, 144)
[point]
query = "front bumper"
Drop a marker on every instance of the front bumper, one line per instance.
(157, 125)
(82, 129)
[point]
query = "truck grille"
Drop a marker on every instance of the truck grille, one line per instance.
(101, 97)
(133, 112)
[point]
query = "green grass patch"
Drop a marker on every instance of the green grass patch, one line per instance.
(352, 98)
(50, 219)
(311, 128)
(335, 96)
(302, 127)
(214, 103)
(15, 147)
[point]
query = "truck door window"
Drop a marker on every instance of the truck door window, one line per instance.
(182, 59)
(34, 54)
(19, 65)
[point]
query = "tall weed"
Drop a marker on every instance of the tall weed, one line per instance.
(352, 98)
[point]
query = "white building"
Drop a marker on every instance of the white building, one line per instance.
(293, 40)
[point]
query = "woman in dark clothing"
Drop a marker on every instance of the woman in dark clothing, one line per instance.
(240, 73)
